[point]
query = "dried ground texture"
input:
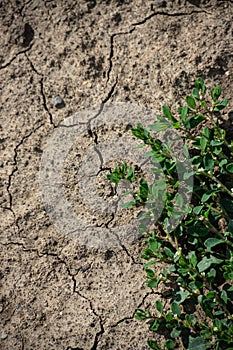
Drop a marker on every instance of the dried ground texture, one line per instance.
(58, 292)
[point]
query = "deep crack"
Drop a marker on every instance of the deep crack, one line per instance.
(45, 103)
(111, 54)
(101, 323)
(42, 90)
(91, 133)
(162, 13)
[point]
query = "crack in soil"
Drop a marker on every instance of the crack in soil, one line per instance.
(14, 57)
(20, 245)
(162, 13)
(132, 317)
(105, 100)
(101, 322)
(23, 7)
(111, 53)
(15, 169)
(143, 21)
(42, 90)
(99, 334)
(72, 276)
(45, 102)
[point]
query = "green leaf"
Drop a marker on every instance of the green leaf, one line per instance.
(197, 343)
(114, 177)
(175, 308)
(197, 209)
(192, 258)
(191, 102)
(197, 161)
(207, 195)
(184, 113)
(168, 114)
(212, 242)
(206, 132)
(129, 204)
(192, 122)
(215, 143)
(155, 326)
(158, 188)
(203, 104)
(153, 244)
(153, 344)
(160, 126)
(169, 316)
(130, 176)
(168, 252)
(221, 106)
(215, 93)
(141, 133)
(152, 283)
(211, 275)
(123, 168)
(186, 151)
(203, 143)
(200, 85)
(229, 168)
(152, 262)
(222, 163)
(224, 296)
(176, 125)
(140, 315)
(190, 320)
(159, 306)
(175, 333)
(142, 193)
(211, 294)
(179, 199)
(181, 296)
(205, 263)
(150, 273)
(195, 286)
(228, 276)
(169, 344)
(195, 94)
(208, 162)
(187, 175)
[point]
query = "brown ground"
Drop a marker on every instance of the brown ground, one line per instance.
(56, 293)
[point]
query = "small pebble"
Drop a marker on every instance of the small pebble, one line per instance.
(85, 268)
(4, 336)
(59, 102)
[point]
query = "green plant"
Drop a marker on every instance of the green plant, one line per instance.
(198, 252)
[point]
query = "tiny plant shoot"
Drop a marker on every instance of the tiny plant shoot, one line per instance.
(198, 254)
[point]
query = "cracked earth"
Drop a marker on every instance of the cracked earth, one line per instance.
(55, 292)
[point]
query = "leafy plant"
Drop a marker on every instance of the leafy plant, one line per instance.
(199, 250)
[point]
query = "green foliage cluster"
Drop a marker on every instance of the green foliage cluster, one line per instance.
(198, 252)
